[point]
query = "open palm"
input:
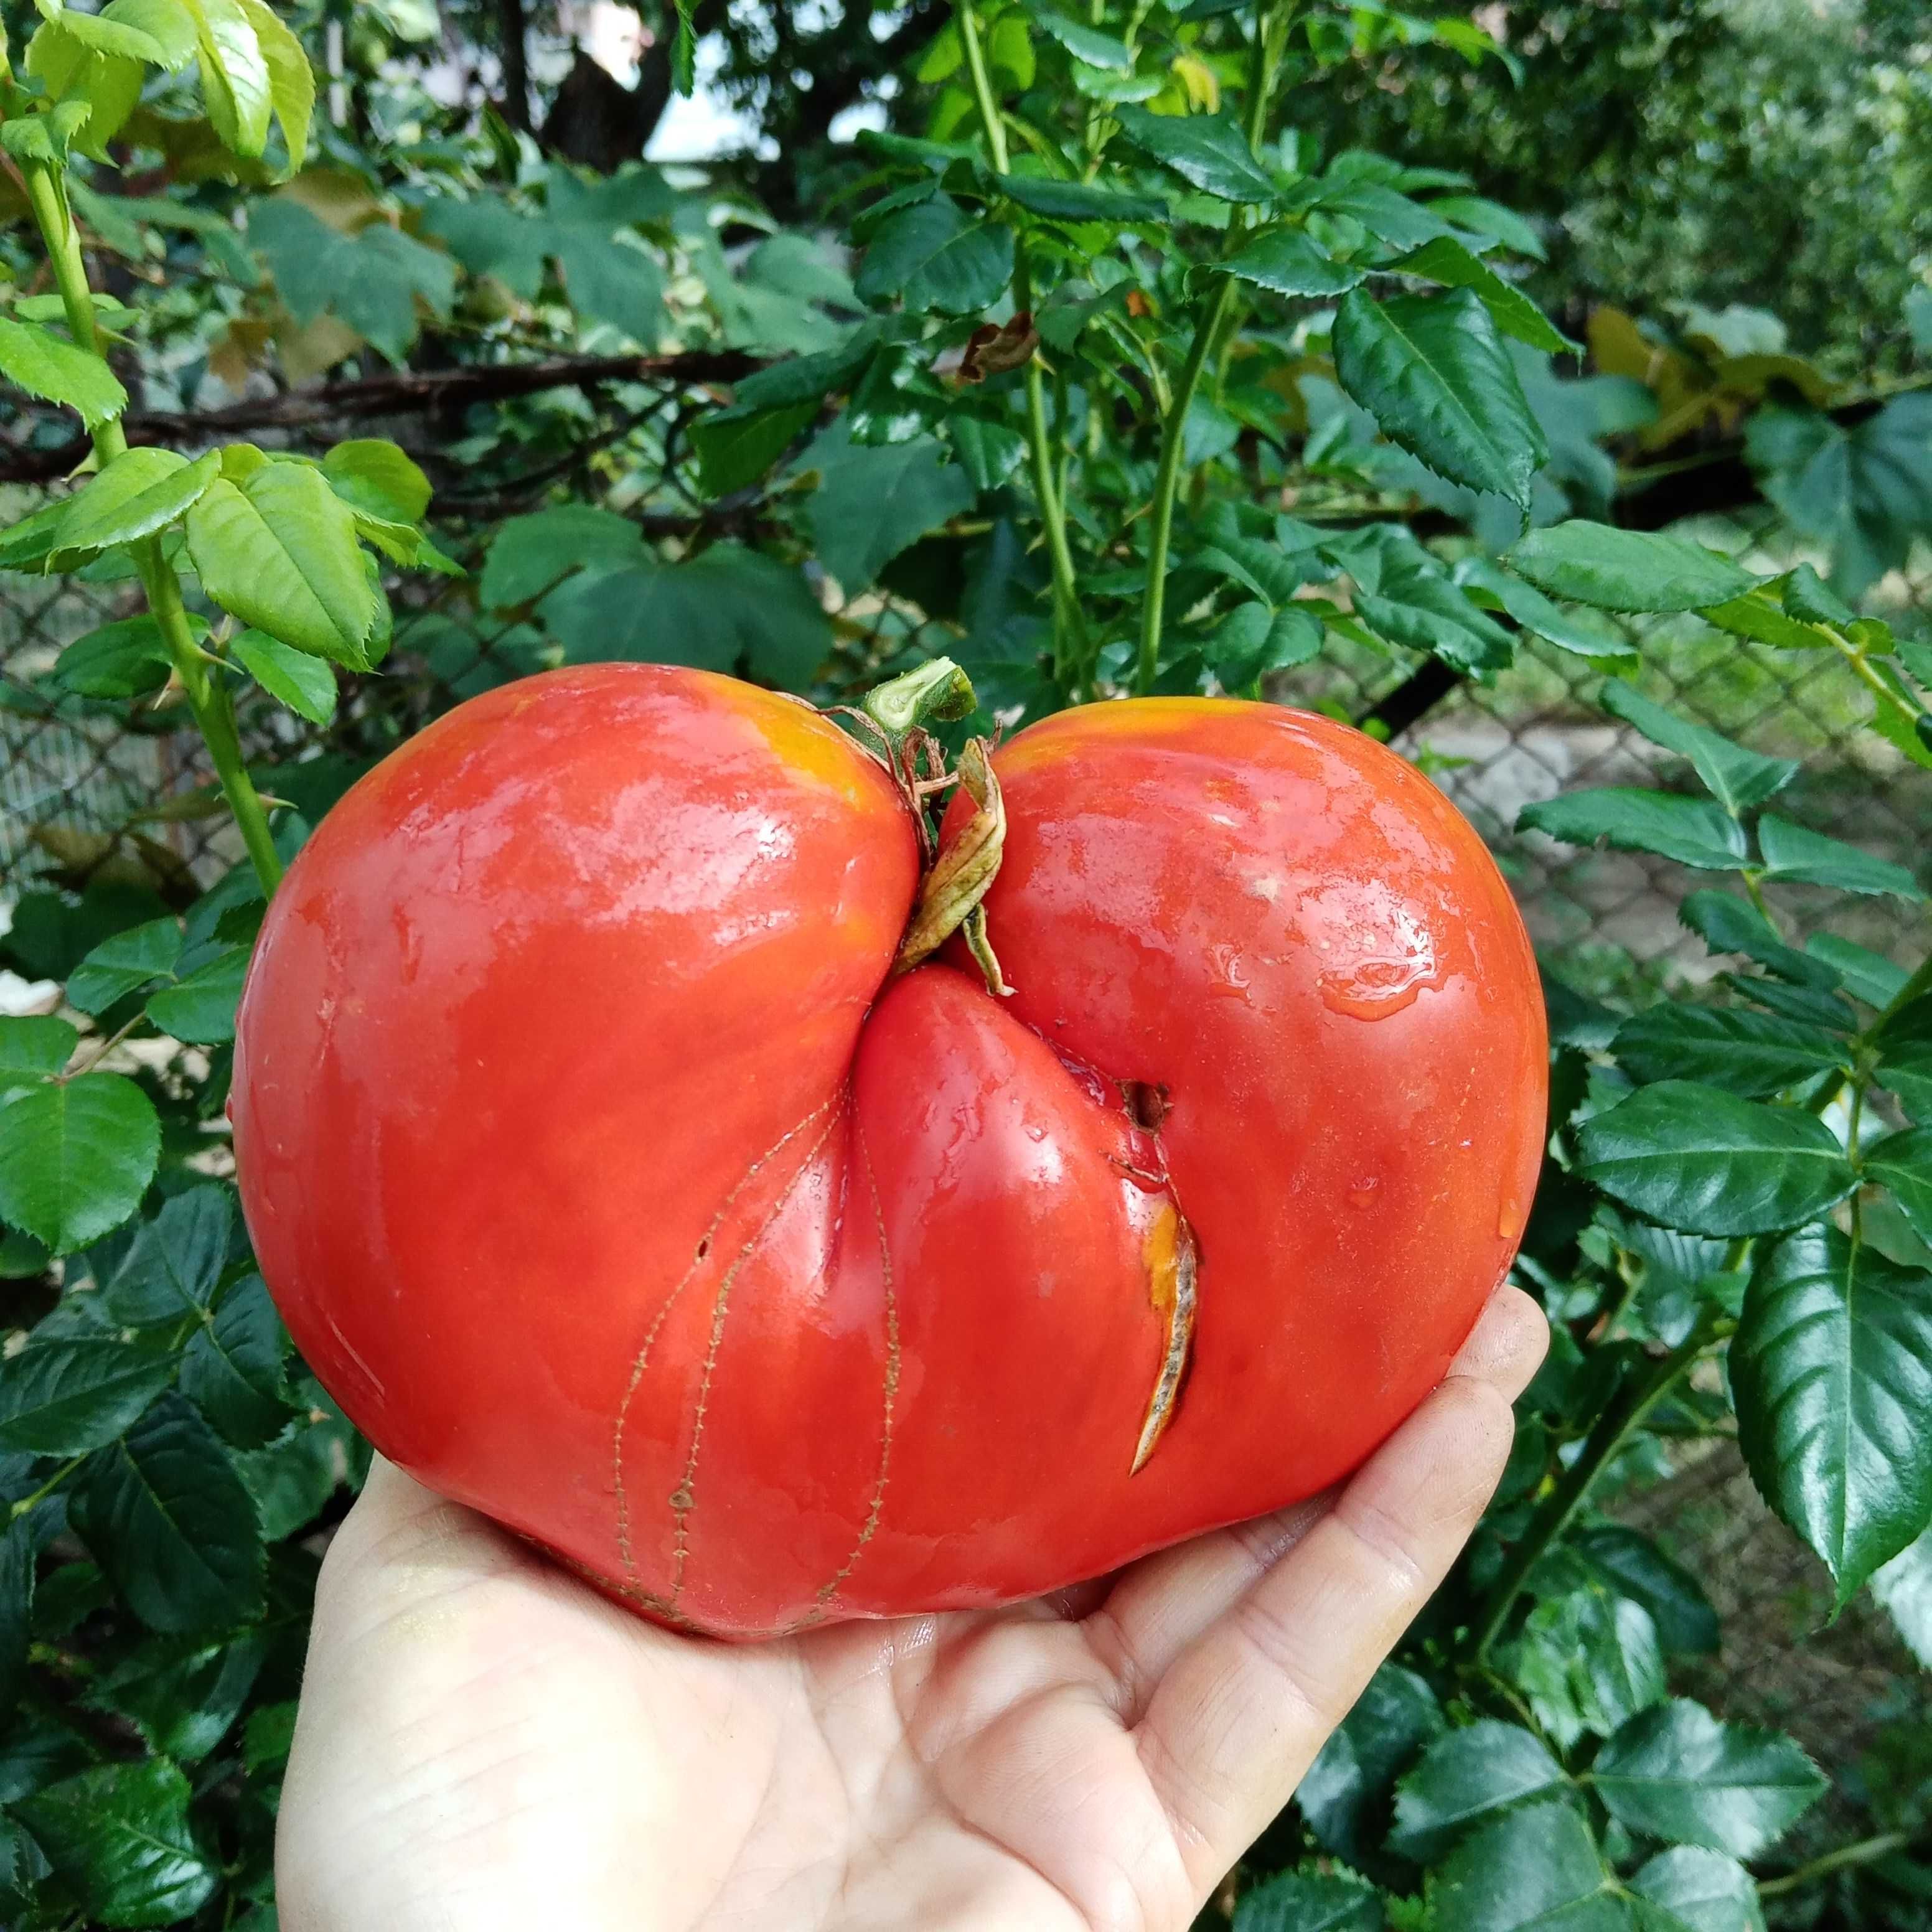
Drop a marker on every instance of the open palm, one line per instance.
(485, 1742)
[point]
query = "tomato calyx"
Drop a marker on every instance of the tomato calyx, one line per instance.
(956, 875)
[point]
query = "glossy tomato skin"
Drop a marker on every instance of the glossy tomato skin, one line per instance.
(605, 1179)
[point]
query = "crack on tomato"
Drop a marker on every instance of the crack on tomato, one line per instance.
(1174, 1270)
(1149, 1103)
(683, 1499)
(658, 1321)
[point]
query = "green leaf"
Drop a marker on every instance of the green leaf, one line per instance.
(304, 684)
(1490, 221)
(1587, 1660)
(529, 555)
(1096, 50)
(97, 90)
(874, 502)
(1538, 1868)
(1290, 261)
(1080, 201)
(1905, 1058)
(199, 1007)
(279, 552)
(1585, 563)
(232, 1368)
(171, 1268)
(33, 1047)
(1755, 1055)
(1208, 150)
(1636, 1568)
(725, 608)
(1535, 612)
(1675, 1772)
(1795, 852)
(1702, 1889)
(736, 446)
(17, 1564)
(1429, 613)
(1832, 1371)
(1902, 1162)
(158, 31)
(1755, 615)
(291, 78)
(1465, 1776)
(988, 452)
(1807, 597)
(119, 1837)
(934, 255)
(123, 659)
(139, 492)
(1866, 975)
(48, 366)
(1695, 1158)
(1432, 371)
(1339, 1794)
(75, 1159)
(123, 964)
(1738, 778)
(1253, 640)
(181, 1696)
(1865, 491)
(1389, 216)
(236, 87)
(370, 473)
(372, 279)
(1904, 1587)
(1728, 924)
(63, 1398)
(1693, 831)
(1445, 259)
(1309, 1901)
(167, 1517)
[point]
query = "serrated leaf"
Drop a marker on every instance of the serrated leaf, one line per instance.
(48, 366)
(1253, 640)
(1535, 612)
(1587, 1660)
(1795, 853)
(33, 1047)
(1432, 371)
(1309, 1901)
(306, 685)
(279, 551)
(1095, 49)
(168, 1519)
(873, 502)
(736, 446)
(1755, 1055)
(1427, 613)
(66, 1397)
(119, 1837)
(1209, 150)
(235, 88)
(1738, 778)
(371, 279)
(291, 78)
(1696, 1158)
(1340, 1794)
(1386, 213)
(1702, 1889)
(1584, 563)
(124, 659)
(1291, 262)
(232, 1370)
(1728, 924)
(1675, 1772)
(199, 1007)
(934, 255)
(1756, 616)
(988, 452)
(1537, 1867)
(1684, 1619)
(1865, 975)
(1693, 831)
(139, 492)
(171, 1268)
(1903, 1163)
(529, 555)
(180, 1695)
(96, 89)
(1080, 201)
(1832, 1371)
(1465, 1777)
(76, 1158)
(124, 964)
(371, 473)
(1445, 259)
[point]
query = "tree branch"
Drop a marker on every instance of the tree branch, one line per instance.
(407, 392)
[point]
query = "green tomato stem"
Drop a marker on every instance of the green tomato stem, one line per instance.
(208, 696)
(1867, 1851)
(1618, 1423)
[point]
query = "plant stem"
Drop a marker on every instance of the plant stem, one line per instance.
(47, 1489)
(1271, 36)
(207, 696)
(1070, 627)
(1639, 1396)
(1866, 1852)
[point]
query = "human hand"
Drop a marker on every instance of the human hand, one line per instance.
(484, 1741)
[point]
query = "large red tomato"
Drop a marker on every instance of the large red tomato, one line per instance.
(609, 1182)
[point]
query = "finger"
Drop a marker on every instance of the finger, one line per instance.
(1163, 1603)
(1237, 1719)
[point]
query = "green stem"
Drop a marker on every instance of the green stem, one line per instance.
(1639, 1395)
(47, 1489)
(1069, 626)
(1920, 983)
(1271, 36)
(207, 696)
(1867, 1851)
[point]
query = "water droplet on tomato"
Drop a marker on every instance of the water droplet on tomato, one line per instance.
(1510, 1219)
(1377, 956)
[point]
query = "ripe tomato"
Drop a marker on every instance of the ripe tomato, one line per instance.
(609, 1182)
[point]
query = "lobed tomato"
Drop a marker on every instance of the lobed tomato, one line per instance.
(610, 1181)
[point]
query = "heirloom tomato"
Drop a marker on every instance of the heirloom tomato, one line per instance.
(613, 1181)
